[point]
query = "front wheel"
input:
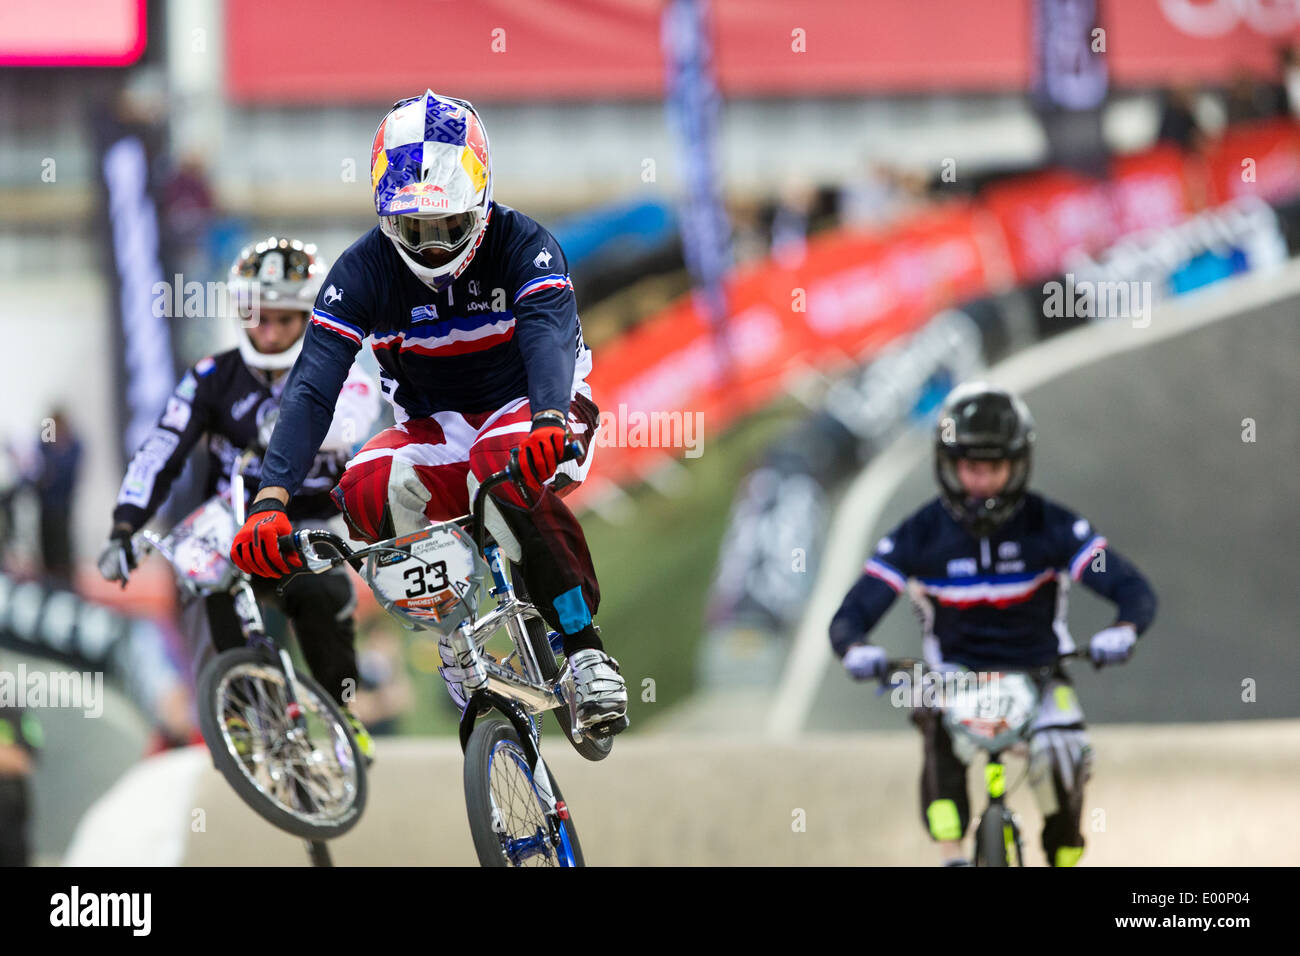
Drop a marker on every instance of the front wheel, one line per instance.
(307, 778)
(997, 839)
(507, 816)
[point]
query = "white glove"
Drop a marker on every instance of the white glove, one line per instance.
(864, 661)
(1113, 645)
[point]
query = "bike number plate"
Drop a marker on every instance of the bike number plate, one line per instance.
(993, 712)
(429, 578)
(201, 544)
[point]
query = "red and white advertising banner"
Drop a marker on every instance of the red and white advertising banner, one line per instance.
(1160, 42)
(1257, 159)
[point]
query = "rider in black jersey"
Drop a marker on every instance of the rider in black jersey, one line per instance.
(227, 398)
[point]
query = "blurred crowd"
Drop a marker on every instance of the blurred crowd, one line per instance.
(883, 191)
(39, 475)
(1191, 116)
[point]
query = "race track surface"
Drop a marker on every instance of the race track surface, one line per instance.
(1167, 794)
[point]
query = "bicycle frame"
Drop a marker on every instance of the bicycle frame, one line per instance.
(995, 789)
(522, 699)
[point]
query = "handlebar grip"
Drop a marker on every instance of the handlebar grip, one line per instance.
(573, 451)
(288, 544)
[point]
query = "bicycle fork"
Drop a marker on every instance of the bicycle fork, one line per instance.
(250, 617)
(995, 782)
(480, 702)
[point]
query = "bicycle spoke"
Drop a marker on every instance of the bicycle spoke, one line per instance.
(297, 766)
(525, 832)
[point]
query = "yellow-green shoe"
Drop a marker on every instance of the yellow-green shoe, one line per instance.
(241, 735)
(364, 741)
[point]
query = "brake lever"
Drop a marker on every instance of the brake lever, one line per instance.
(888, 685)
(572, 452)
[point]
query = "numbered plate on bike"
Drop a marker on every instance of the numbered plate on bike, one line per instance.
(430, 578)
(201, 545)
(993, 711)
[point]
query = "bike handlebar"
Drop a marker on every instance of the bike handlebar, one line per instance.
(894, 664)
(293, 543)
(512, 472)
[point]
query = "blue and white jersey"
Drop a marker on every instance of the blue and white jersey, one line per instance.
(992, 602)
(506, 327)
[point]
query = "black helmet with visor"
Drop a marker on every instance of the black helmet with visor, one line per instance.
(980, 422)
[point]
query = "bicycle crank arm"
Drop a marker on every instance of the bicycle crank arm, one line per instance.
(564, 682)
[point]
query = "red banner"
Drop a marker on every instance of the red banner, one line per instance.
(1154, 189)
(851, 294)
(1259, 159)
(72, 33)
(1047, 216)
(314, 51)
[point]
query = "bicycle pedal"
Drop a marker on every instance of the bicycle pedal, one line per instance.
(607, 728)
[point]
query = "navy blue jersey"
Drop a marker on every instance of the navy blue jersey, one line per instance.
(222, 399)
(992, 602)
(507, 327)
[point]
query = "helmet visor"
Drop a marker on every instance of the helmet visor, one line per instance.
(446, 233)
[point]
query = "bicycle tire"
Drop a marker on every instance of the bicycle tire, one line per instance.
(483, 744)
(1015, 838)
(990, 847)
(231, 767)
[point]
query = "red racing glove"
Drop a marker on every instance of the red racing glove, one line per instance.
(256, 549)
(541, 451)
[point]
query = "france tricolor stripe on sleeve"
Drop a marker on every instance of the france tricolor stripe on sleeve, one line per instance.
(337, 326)
(543, 282)
(1080, 559)
(890, 575)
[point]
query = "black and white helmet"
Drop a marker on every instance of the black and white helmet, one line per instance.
(979, 421)
(274, 274)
